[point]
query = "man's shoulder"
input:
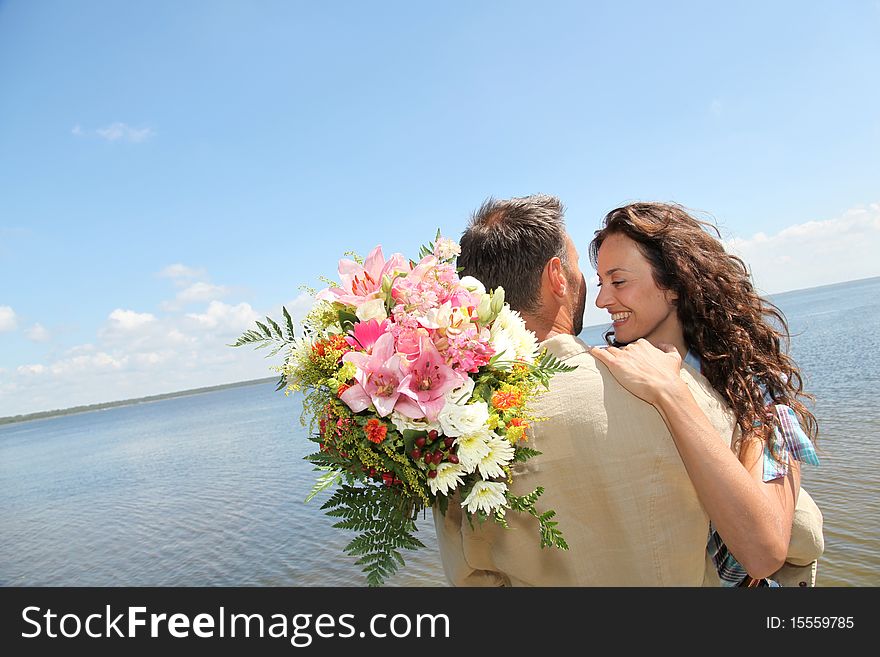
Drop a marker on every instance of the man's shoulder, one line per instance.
(570, 349)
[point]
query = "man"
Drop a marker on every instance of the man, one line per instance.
(609, 466)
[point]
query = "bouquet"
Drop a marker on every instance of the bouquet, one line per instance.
(416, 388)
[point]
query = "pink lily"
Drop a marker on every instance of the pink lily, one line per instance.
(378, 378)
(429, 378)
(364, 334)
(361, 283)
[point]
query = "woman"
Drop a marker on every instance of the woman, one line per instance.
(674, 294)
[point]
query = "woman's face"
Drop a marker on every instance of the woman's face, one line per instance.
(638, 307)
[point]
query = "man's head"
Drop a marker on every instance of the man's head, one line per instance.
(521, 245)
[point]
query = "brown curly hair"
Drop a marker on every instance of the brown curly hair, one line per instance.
(737, 334)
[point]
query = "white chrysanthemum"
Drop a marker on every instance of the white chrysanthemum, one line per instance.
(509, 332)
(486, 496)
(461, 419)
(500, 454)
(505, 350)
(401, 422)
(448, 478)
(472, 449)
(472, 284)
(461, 394)
(372, 309)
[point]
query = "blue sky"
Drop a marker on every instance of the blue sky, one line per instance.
(170, 171)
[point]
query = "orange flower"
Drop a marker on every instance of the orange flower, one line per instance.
(334, 343)
(504, 400)
(375, 431)
(338, 343)
(516, 430)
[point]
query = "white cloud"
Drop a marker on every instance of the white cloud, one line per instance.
(225, 316)
(128, 320)
(123, 132)
(85, 366)
(198, 292)
(815, 252)
(716, 107)
(31, 369)
(179, 271)
(174, 336)
(8, 319)
(37, 333)
(201, 292)
(151, 358)
(77, 131)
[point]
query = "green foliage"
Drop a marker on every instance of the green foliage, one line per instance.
(385, 521)
(428, 249)
(523, 454)
(270, 334)
(328, 479)
(347, 320)
(551, 536)
(547, 365)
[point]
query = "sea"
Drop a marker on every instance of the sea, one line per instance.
(209, 489)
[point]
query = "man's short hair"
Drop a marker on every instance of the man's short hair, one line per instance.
(509, 242)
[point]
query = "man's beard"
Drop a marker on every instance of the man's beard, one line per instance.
(580, 306)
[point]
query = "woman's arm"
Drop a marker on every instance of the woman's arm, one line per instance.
(754, 518)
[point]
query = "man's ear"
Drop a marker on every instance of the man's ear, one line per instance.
(556, 277)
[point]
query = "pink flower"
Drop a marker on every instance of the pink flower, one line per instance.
(364, 334)
(419, 291)
(468, 348)
(461, 297)
(361, 283)
(429, 378)
(408, 339)
(378, 377)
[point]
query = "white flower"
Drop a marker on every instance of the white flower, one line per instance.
(445, 317)
(448, 478)
(473, 285)
(500, 453)
(436, 318)
(486, 496)
(510, 337)
(472, 448)
(461, 394)
(401, 422)
(460, 419)
(446, 249)
(373, 309)
(505, 350)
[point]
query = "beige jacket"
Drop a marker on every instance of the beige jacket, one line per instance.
(611, 471)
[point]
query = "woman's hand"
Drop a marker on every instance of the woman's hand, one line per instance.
(642, 368)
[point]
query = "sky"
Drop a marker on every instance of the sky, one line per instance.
(172, 171)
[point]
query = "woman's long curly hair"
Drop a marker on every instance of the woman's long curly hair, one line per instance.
(737, 334)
